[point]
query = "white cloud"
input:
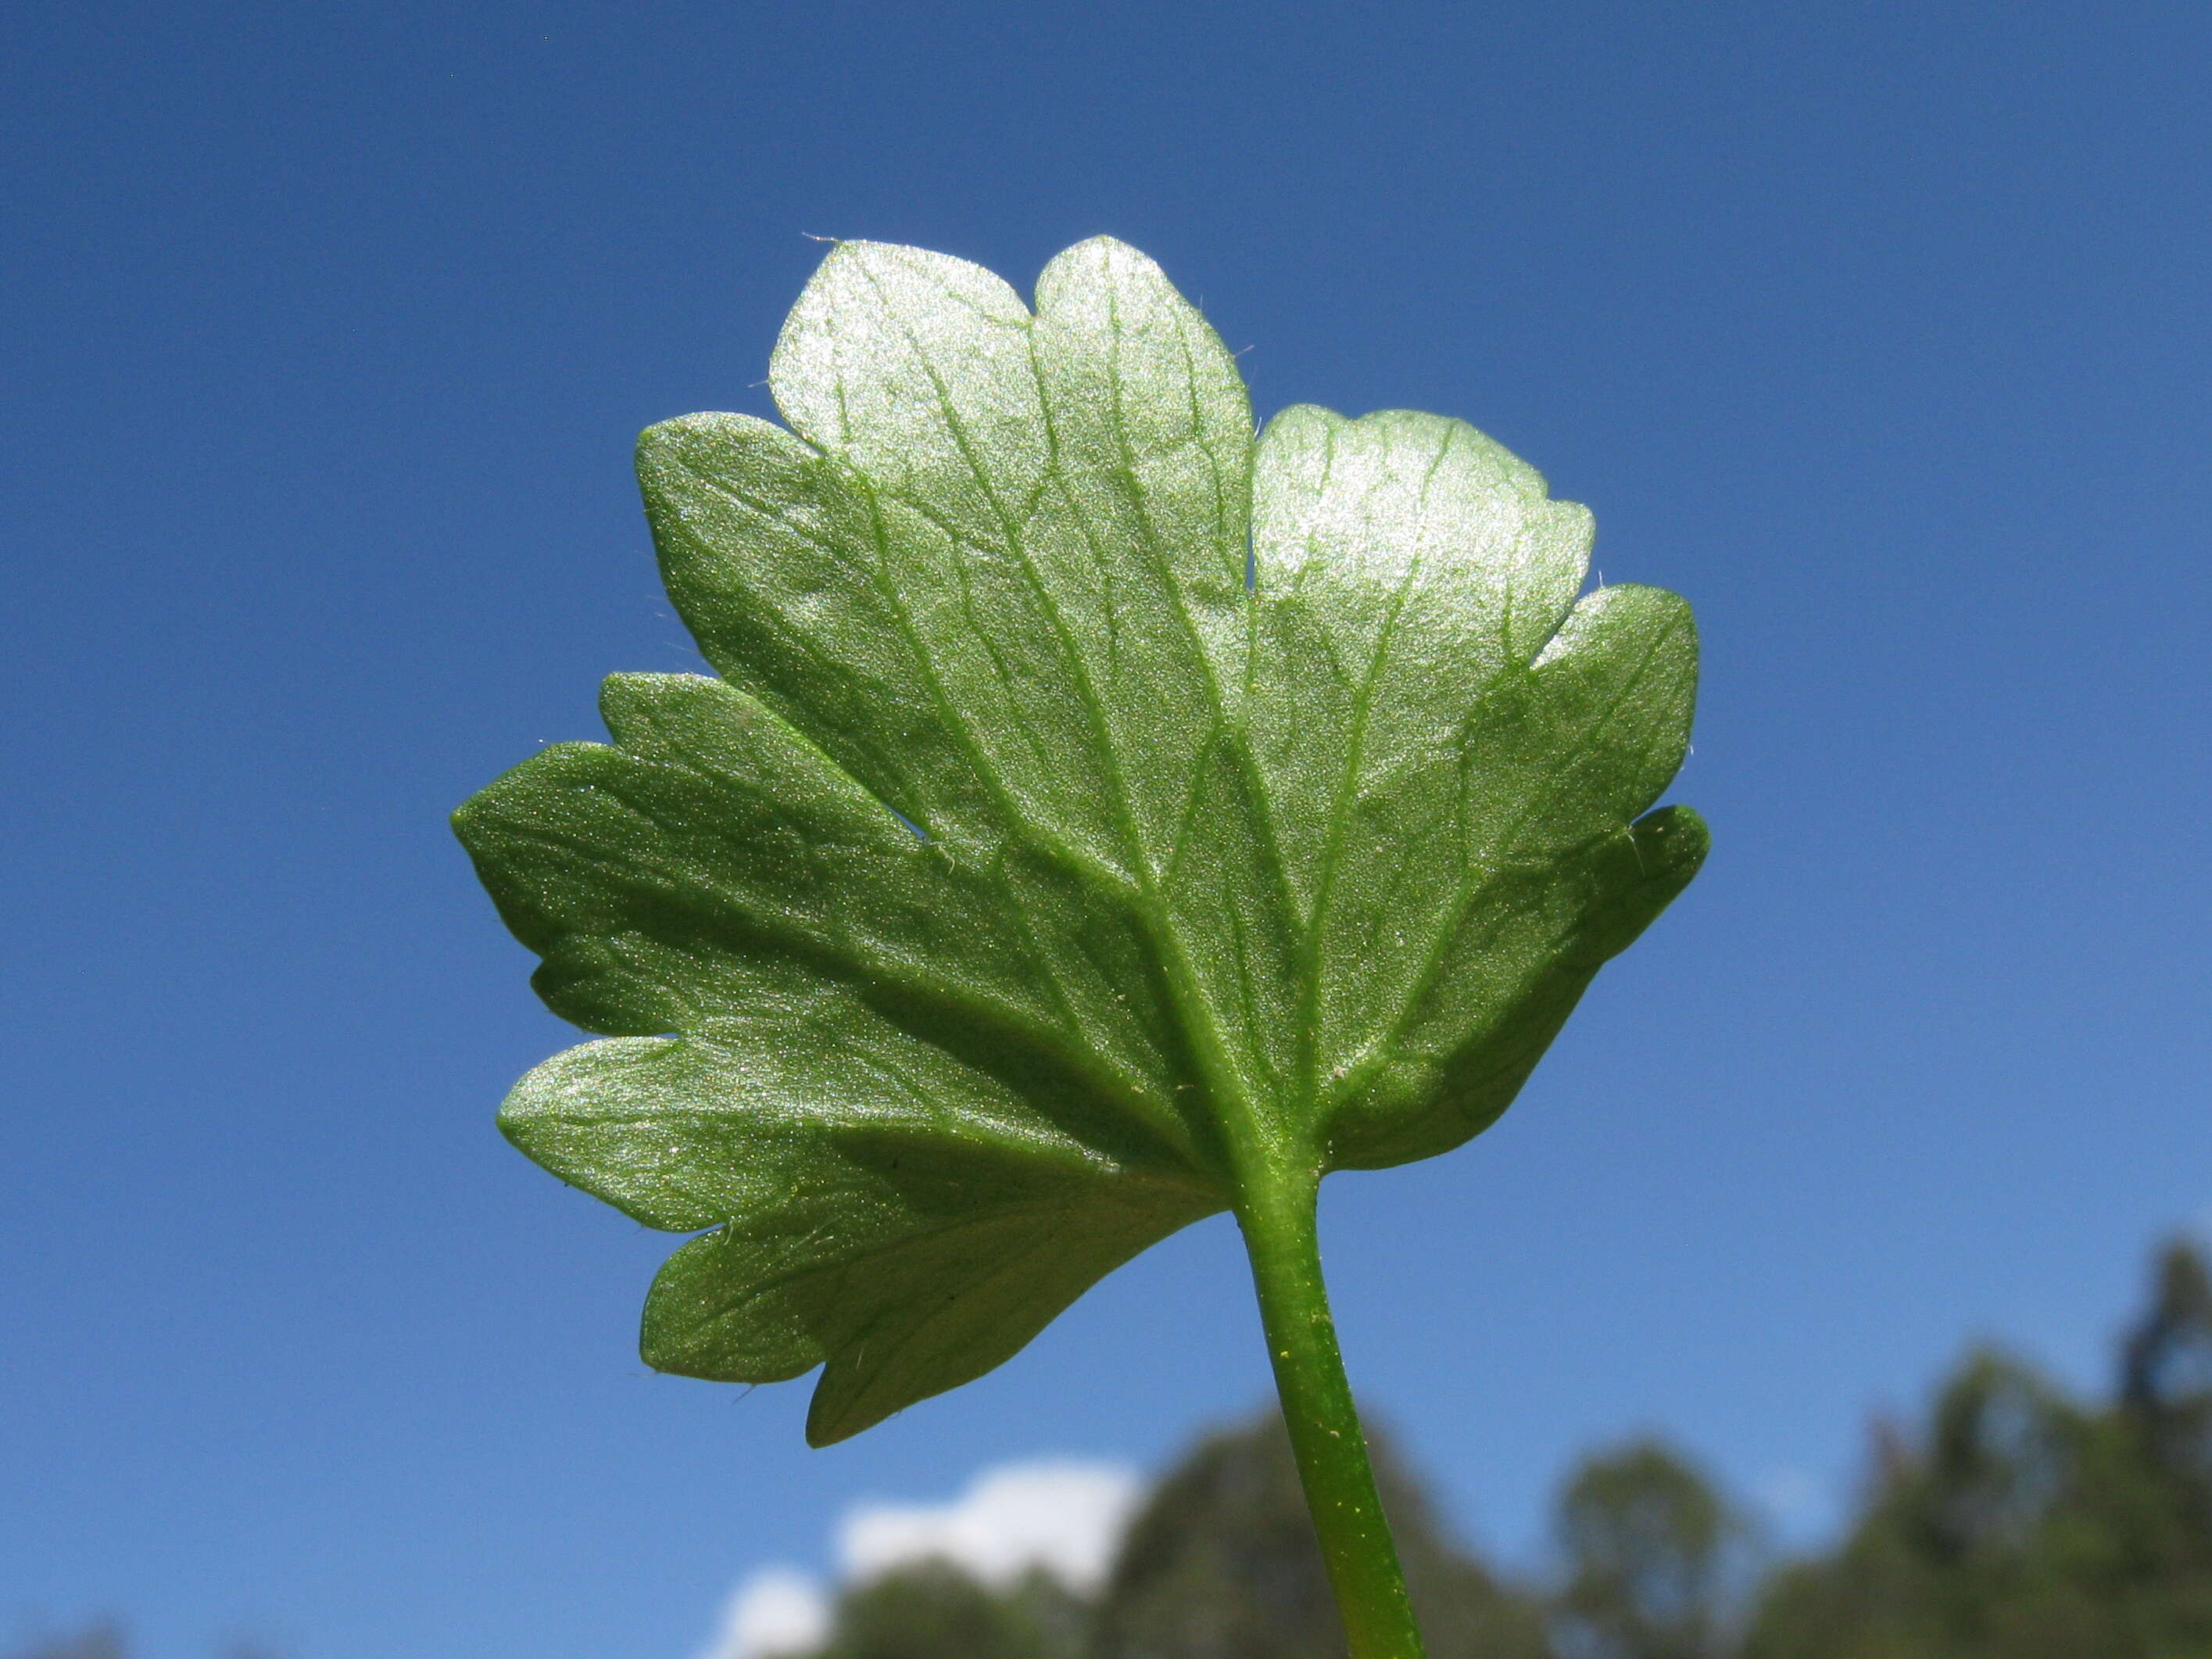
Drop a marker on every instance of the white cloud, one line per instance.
(1065, 1516)
(1059, 1514)
(775, 1610)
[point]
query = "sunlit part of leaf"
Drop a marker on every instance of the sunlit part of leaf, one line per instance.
(1101, 815)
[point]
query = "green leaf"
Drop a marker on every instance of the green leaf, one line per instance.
(1102, 819)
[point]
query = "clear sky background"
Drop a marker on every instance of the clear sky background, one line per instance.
(1879, 330)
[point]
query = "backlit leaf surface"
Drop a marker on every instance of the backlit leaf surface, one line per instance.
(1099, 812)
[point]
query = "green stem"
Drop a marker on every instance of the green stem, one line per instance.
(1281, 1238)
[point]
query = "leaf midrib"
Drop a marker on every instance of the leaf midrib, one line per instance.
(1234, 1108)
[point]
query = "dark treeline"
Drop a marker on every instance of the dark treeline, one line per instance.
(2013, 1523)
(104, 1640)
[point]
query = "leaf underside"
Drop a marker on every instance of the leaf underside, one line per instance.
(1099, 811)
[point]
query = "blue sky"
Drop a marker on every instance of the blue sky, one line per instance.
(1880, 330)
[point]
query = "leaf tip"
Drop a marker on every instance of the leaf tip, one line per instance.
(1681, 831)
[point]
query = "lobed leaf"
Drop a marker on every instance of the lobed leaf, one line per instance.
(1099, 812)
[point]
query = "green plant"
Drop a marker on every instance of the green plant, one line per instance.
(1648, 1544)
(1102, 820)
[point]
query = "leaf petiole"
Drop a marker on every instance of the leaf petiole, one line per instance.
(1282, 1239)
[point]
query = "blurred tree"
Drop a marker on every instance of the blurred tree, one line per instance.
(2025, 1526)
(1222, 1564)
(2166, 1370)
(1651, 1550)
(1945, 1558)
(2001, 1451)
(2165, 1420)
(101, 1641)
(935, 1610)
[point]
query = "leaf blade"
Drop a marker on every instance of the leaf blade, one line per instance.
(1045, 870)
